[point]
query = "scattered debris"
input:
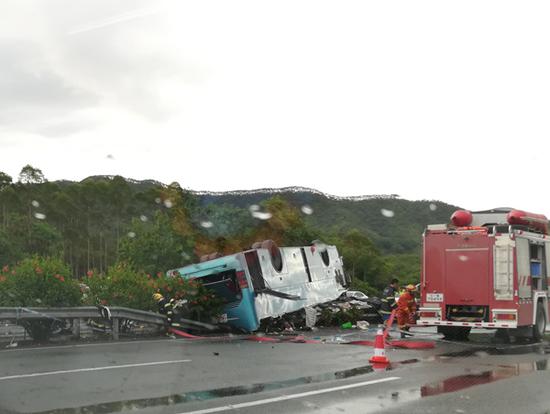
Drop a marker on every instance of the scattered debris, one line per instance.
(362, 325)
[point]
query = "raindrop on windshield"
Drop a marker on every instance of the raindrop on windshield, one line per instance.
(35, 203)
(143, 218)
(262, 216)
(207, 224)
(40, 216)
(307, 209)
(185, 256)
(387, 213)
(254, 207)
(158, 200)
(168, 203)
(131, 234)
(433, 207)
(463, 258)
(110, 157)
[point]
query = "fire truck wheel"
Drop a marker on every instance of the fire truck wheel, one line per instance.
(540, 324)
(454, 333)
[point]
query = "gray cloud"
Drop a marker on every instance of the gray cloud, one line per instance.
(68, 59)
(32, 92)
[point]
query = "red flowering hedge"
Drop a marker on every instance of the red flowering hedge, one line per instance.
(124, 286)
(38, 282)
(46, 282)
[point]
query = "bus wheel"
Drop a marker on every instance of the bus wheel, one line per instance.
(275, 253)
(540, 324)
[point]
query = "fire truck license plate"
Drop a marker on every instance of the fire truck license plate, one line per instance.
(434, 297)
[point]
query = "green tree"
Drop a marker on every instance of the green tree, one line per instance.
(5, 180)
(362, 259)
(286, 225)
(31, 175)
(153, 246)
(405, 267)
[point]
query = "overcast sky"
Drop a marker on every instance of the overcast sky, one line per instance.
(425, 99)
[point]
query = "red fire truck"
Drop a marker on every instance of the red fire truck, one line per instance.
(488, 269)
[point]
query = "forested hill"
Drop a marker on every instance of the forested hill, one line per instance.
(103, 220)
(395, 225)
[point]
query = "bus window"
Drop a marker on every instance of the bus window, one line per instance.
(224, 285)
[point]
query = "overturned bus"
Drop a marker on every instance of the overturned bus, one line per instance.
(269, 281)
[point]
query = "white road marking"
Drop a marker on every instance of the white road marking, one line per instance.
(42, 348)
(289, 397)
(70, 371)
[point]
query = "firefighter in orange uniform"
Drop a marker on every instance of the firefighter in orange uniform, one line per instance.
(406, 309)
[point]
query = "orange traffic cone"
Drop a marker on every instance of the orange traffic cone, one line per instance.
(379, 356)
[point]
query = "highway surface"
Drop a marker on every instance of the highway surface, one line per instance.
(236, 375)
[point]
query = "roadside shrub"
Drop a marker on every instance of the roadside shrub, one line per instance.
(38, 282)
(124, 286)
(365, 287)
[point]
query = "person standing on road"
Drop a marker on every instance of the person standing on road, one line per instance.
(166, 307)
(388, 300)
(406, 309)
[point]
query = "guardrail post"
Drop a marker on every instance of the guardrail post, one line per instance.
(115, 328)
(76, 328)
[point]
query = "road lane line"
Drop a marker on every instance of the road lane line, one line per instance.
(43, 348)
(289, 397)
(70, 371)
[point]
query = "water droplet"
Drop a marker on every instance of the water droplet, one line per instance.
(158, 200)
(168, 203)
(38, 300)
(387, 213)
(307, 209)
(110, 157)
(35, 203)
(131, 234)
(261, 215)
(433, 207)
(254, 207)
(463, 258)
(185, 256)
(207, 224)
(40, 216)
(143, 218)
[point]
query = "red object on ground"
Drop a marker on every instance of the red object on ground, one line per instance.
(536, 221)
(261, 339)
(413, 344)
(184, 334)
(462, 218)
(379, 356)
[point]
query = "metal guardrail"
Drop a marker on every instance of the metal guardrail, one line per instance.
(83, 312)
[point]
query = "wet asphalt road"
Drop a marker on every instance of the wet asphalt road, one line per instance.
(234, 375)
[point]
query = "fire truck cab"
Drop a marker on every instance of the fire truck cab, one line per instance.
(488, 269)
